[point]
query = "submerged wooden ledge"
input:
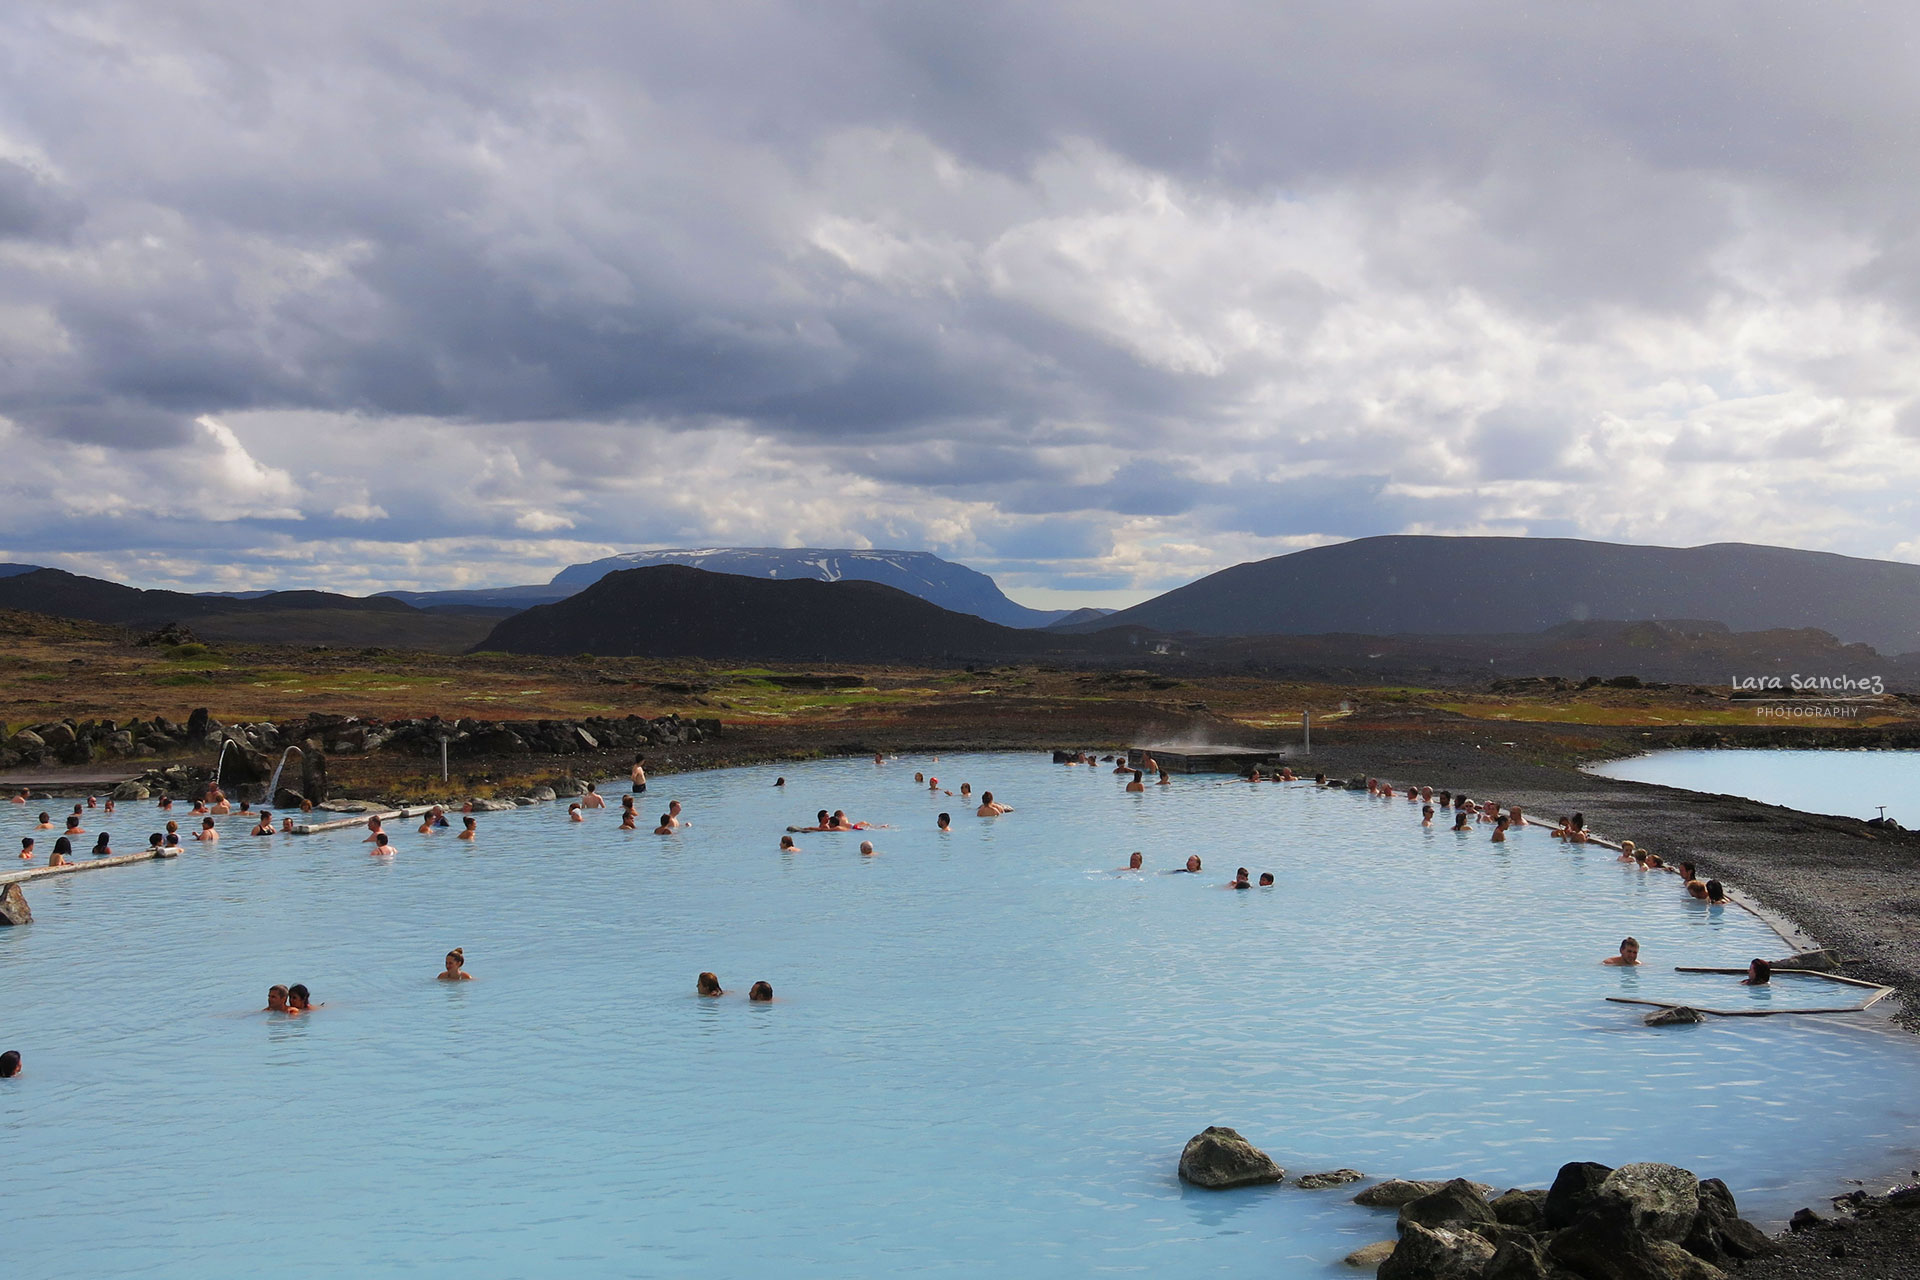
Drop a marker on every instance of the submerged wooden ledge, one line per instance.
(86, 864)
(1879, 993)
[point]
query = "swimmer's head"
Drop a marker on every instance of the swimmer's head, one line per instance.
(779, 782)
(1687, 871)
(786, 842)
(866, 847)
(666, 819)
(1629, 948)
(1133, 863)
(707, 985)
(206, 824)
(1759, 972)
(63, 845)
(157, 838)
(298, 997)
(456, 959)
(760, 991)
(276, 997)
(73, 822)
(1626, 846)
(1193, 862)
(946, 820)
(1266, 879)
(1696, 890)
(986, 797)
(1716, 892)
(9, 1064)
(468, 822)
(380, 841)
(592, 789)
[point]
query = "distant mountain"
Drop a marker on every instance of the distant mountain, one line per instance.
(919, 573)
(277, 617)
(13, 570)
(1073, 617)
(674, 611)
(491, 598)
(1408, 585)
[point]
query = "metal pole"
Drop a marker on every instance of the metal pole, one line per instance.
(443, 759)
(1306, 733)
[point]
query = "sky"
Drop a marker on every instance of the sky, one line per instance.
(1094, 297)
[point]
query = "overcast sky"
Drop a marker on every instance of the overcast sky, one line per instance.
(1094, 297)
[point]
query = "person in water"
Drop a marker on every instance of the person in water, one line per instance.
(666, 825)
(299, 1000)
(1688, 872)
(966, 791)
(26, 848)
(780, 782)
(639, 774)
(761, 993)
(1717, 893)
(1426, 815)
(1461, 822)
(787, 845)
(264, 827)
(593, 799)
(373, 831)
(1133, 863)
(1696, 891)
(1629, 953)
(1500, 830)
(866, 848)
(673, 810)
(23, 796)
(276, 999)
(206, 833)
(73, 825)
(1239, 880)
(707, 985)
(1136, 784)
(1266, 879)
(286, 826)
(102, 846)
(62, 851)
(382, 847)
(469, 828)
(990, 808)
(1759, 973)
(1191, 869)
(945, 823)
(574, 814)
(1166, 779)
(456, 970)
(156, 842)
(10, 1064)
(629, 817)
(1626, 849)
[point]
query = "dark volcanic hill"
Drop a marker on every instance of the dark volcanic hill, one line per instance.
(674, 611)
(278, 617)
(1405, 585)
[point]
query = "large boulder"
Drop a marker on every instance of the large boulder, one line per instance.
(131, 790)
(1436, 1253)
(1217, 1158)
(1455, 1204)
(58, 736)
(1572, 1188)
(1517, 1208)
(1371, 1255)
(1331, 1178)
(13, 906)
(1678, 1016)
(1395, 1192)
(1660, 1200)
(1719, 1233)
(1520, 1260)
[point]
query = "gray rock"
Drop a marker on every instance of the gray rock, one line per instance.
(1395, 1192)
(1659, 1200)
(1676, 1017)
(1370, 1255)
(1572, 1188)
(1436, 1254)
(132, 791)
(522, 802)
(585, 739)
(350, 806)
(27, 742)
(1821, 961)
(1455, 1204)
(1519, 1208)
(544, 793)
(1519, 1260)
(58, 736)
(1218, 1158)
(493, 806)
(13, 906)
(1674, 1263)
(1332, 1178)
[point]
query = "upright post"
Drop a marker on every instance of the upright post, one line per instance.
(443, 757)
(1306, 733)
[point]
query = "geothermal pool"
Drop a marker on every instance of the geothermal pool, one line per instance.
(987, 1049)
(1854, 783)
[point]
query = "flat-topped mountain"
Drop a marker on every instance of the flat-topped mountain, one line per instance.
(1410, 585)
(919, 573)
(670, 610)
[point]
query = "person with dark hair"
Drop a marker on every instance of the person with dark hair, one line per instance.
(666, 825)
(1696, 891)
(1759, 973)
(26, 848)
(373, 830)
(991, 808)
(62, 853)
(102, 845)
(1629, 953)
(173, 840)
(1461, 822)
(1133, 863)
(1136, 784)
(1717, 893)
(593, 799)
(639, 774)
(945, 822)
(1239, 880)
(276, 999)
(1426, 815)
(1500, 829)
(10, 1064)
(1166, 779)
(782, 781)
(707, 985)
(470, 830)
(573, 812)
(206, 833)
(264, 827)
(1191, 869)
(1688, 872)
(761, 992)
(787, 845)
(1266, 879)
(73, 825)
(456, 970)
(299, 999)
(382, 847)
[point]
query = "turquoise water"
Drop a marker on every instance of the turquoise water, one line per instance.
(987, 1049)
(1853, 783)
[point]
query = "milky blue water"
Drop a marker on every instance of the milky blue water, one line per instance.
(986, 1053)
(1852, 783)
